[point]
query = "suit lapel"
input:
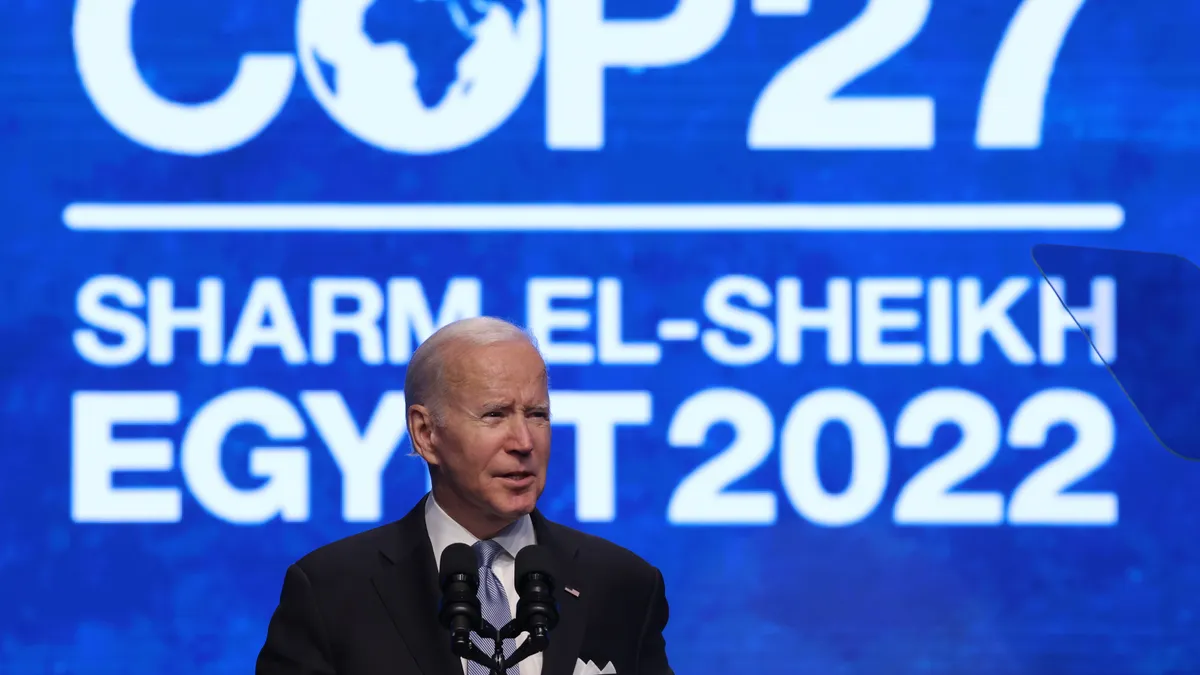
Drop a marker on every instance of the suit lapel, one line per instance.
(408, 585)
(567, 637)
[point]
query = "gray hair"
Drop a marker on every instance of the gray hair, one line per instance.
(425, 380)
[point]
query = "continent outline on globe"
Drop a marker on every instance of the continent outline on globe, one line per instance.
(420, 76)
(432, 48)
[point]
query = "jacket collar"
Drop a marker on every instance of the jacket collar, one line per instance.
(407, 582)
(567, 637)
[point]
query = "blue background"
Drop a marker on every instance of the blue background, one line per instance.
(1122, 125)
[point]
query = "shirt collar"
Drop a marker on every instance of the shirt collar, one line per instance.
(444, 531)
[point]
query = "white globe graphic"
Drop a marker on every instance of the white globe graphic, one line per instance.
(370, 86)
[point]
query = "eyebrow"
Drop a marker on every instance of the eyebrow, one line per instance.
(505, 405)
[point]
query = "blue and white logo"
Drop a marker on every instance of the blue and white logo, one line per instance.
(408, 76)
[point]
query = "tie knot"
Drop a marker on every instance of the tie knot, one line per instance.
(487, 551)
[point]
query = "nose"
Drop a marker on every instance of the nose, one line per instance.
(520, 438)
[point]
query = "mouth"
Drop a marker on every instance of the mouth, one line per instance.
(517, 478)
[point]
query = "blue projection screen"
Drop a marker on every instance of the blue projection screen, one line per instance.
(777, 254)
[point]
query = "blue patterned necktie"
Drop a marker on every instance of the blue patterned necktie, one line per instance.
(494, 602)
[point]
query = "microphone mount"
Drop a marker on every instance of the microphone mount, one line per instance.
(497, 664)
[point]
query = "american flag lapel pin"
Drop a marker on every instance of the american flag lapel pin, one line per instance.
(572, 591)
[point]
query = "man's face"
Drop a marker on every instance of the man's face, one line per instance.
(494, 444)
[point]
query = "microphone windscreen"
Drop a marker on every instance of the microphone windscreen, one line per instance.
(534, 558)
(458, 559)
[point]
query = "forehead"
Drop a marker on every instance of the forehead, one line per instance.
(511, 368)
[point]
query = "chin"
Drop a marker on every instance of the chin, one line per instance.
(525, 503)
(517, 505)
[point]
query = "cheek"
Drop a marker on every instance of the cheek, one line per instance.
(541, 440)
(480, 449)
(461, 454)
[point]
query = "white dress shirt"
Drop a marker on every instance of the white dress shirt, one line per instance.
(444, 530)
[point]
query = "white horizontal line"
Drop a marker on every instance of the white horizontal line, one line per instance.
(336, 217)
(677, 329)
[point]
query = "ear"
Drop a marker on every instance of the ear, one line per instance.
(422, 431)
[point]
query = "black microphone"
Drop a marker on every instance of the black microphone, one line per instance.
(460, 611)
(459, 580)
(537, 612)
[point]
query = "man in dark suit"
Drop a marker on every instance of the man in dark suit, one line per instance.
(478, 414)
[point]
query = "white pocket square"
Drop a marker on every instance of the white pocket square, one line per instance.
(591, 668)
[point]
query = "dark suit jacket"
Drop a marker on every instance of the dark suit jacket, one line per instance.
(367, 605)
